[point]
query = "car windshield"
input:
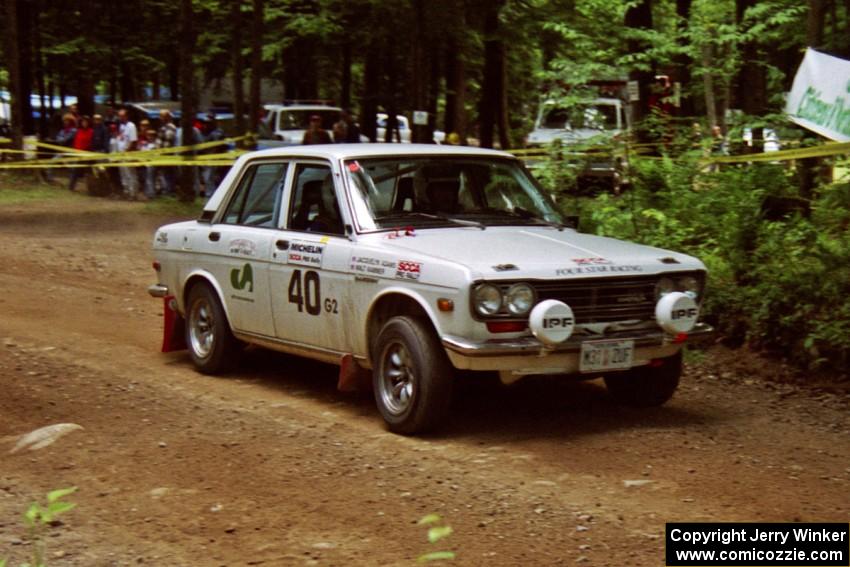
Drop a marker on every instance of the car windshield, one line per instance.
(429, 192)
(582, 116)
(300, 119)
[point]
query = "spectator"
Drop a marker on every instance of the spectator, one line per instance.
(114, 174)
(148, 143)
(315, 134)
(82, 142)
(211, 173)
(74, 110)
(65, 137)
(127, 142)
(195, 138)
(346, 130)
(264, 128)
(166, 138)
(100, 135)
(141, 172)
(110, 117)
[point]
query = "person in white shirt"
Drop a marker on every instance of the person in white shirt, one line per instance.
(127, 140)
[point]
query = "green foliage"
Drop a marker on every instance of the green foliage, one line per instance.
(436, 533)
(779, 278)
(38, 517)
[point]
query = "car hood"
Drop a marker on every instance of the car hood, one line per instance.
(538, 252)
(549, 135)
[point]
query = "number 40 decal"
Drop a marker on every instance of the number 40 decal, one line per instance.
(307, 295)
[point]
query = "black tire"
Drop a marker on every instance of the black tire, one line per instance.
(646, 386)
(411, 376)
(212, 346)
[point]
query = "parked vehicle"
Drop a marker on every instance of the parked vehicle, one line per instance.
(413, 261)
(575, 128)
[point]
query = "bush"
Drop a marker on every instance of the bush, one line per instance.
(779, 266)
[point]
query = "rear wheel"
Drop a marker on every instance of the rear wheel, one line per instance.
(646, 386)
(412, 377)
(212, 346)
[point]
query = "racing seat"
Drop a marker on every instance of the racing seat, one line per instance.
(311, 196)
(404, 194)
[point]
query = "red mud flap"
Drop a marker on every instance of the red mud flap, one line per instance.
(352, 377)
(174, 326)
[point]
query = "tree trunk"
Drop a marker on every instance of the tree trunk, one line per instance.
(13, 65)
(752, 79)
(491, 95)
(809, 169)
(418, 133)
(40, 79)
(26, 14)
(708, 84)
(345, 87)
(256, 63)
(238, 71)
(815, 23)
(455, 117)
(639, 17)
(683, 61)
(186, 187)
(371, 88)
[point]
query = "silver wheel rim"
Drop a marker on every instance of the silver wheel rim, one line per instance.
(398, 381)
(202, 327)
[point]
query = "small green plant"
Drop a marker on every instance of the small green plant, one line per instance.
(38, 517)
(436, 532)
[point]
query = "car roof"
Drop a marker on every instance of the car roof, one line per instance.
(334, 152)
(367, 150)
(301, 107)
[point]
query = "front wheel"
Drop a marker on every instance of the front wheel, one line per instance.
(646, 386)
(212, 346)
(412, 377)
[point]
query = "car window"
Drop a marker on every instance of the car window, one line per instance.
(313, 206)
(423, 192)
(257, 200)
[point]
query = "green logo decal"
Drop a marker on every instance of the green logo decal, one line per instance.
(240, 279)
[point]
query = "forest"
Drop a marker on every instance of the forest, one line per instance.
(774, 235)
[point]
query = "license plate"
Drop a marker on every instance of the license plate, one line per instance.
(606, 355)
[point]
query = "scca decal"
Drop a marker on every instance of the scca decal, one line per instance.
(407, 270)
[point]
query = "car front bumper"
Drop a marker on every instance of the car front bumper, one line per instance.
(527, 355)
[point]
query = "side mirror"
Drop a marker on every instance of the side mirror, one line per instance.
(571, 221)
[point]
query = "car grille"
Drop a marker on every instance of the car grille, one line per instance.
(602, 301)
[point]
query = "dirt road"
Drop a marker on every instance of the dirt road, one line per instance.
(272, 466)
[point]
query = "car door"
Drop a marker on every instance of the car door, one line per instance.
(240, 245)
(309, 267)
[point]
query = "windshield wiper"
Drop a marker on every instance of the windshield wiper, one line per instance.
(449, 218)
(524, 214)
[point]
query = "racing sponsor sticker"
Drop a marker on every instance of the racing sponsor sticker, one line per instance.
(242, 247)
(591, 261)
(161, 238)
(599, 269)
(372, 266)
(305, 253)
(407, 270)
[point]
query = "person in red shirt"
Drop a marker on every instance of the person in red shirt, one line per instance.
(82, 141)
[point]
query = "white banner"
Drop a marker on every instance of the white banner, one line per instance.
(820, 97)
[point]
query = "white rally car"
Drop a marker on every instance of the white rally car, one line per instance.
(414, 261)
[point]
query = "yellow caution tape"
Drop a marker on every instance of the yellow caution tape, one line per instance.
(824, 150)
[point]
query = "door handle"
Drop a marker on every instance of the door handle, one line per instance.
(215, 236)
(282, 244)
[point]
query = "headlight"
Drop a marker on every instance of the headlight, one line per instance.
(689, 285)
(663, 287)
(520, 299)
(487, 299)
